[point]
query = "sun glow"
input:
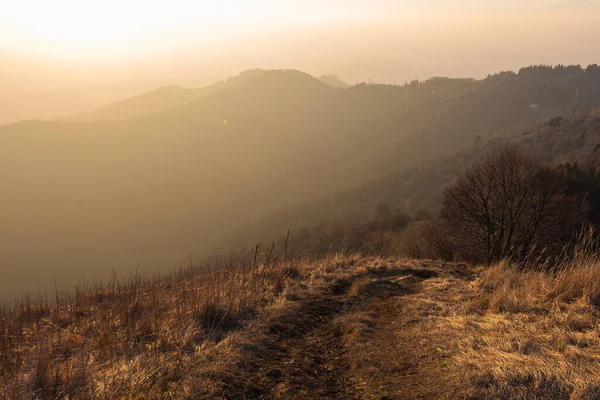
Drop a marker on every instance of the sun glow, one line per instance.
(84, 28)
(92, 27)
(102, 29)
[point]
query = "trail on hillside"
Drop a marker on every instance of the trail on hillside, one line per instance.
(343, 342)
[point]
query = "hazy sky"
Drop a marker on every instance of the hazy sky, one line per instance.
(116, 28)
(62, 57)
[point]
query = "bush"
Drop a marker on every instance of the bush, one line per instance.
(427, 239)
(412, 242)
(439, 240)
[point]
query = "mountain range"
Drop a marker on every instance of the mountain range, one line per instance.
(153, 178)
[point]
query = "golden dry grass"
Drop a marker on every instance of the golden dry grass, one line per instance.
(516, 334)
(502, 333)
(145, 338)
(533, 333)
(379, 328)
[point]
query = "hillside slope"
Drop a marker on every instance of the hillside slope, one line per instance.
(561, 140)
(84, 196)
(341, 327)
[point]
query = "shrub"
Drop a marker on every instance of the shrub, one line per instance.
(412, 243)
(427, 239)
(439, 240)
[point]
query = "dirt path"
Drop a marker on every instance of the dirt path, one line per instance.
(346, 341)
(298, 354)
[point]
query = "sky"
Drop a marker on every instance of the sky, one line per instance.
(64, 57)
(80, 29)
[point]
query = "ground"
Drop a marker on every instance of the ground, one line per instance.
(340, 327)
(352, 337)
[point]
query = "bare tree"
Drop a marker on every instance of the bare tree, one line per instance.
(508, 206)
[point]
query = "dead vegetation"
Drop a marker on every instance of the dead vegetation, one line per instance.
(534, 334)
(134, 337)
(514, 333)
(338, 327)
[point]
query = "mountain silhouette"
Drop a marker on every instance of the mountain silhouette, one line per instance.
(333, 81)
(160, 100)
(150, 188)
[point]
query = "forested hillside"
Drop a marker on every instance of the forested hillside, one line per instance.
(154, 188)
(568, 141)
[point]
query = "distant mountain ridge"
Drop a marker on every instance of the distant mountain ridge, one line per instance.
(152, 187)
(171, 97)
(334, 81)
(161, 99)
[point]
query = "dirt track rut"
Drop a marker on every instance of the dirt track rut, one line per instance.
(303, 353)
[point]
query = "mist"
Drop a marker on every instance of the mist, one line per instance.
(278, 199)
(147, 153)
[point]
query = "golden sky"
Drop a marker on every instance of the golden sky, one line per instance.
(80, 28)
(83, 29)
(62, 57)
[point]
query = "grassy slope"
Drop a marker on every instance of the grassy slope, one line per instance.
(341, 327)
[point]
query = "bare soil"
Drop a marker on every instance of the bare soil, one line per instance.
(352, 338)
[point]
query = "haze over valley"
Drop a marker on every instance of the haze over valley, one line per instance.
(119, 189)
(301, 199)
(149, 157)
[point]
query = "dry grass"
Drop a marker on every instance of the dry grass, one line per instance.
(396, 329)
(529, 333)
(135, 337)
(503, 333)
(533, 334)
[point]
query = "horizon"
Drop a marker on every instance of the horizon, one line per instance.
(97, 30)
(324, 199)
(90, 57)
(71, 92)
(113, 32)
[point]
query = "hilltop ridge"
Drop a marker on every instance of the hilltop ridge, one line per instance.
(171, 97)
(156, 187)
